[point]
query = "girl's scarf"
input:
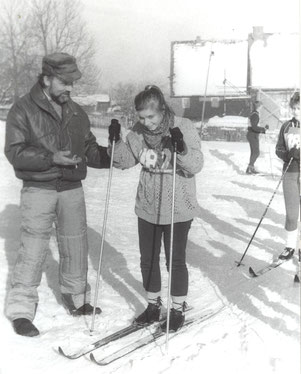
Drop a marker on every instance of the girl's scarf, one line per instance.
(157, 138)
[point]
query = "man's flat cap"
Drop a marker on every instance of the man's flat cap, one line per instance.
(61, 65)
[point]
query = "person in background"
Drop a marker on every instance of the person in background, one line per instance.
(150, 143)
(253, 137)
(288, 149)
(50, 145)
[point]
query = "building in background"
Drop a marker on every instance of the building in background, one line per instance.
(101, 110)
(221, 77)
(94, 103)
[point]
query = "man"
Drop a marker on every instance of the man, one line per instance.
(50, 145)
(253, 137)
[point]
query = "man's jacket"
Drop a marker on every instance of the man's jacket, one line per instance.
(34, 132)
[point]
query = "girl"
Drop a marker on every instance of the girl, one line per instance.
(288, 148)
(151, 143)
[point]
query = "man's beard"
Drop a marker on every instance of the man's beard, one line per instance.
(61, 98)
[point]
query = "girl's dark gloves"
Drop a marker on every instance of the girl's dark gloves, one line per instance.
(114, 130)
(177, 139)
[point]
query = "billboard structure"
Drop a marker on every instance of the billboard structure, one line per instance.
(228, 73)
(266, 61)
(190, 67)
(274, 61)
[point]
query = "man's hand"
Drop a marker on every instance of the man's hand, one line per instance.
(64, 158)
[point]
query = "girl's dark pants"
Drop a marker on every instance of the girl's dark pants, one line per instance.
(253, 139)
(150, 236)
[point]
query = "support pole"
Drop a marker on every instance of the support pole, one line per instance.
(205, 93)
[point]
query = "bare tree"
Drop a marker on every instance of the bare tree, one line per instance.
(29, 29)
(15, 47)
(43, 19)
(58, 27)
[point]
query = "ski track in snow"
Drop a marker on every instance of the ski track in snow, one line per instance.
(257, 329)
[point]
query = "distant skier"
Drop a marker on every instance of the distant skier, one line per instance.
(253, 137)
(287, 148)
(50, 145)
(150, 143)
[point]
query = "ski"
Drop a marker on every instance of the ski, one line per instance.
(266, 268)
(137, 344)
(104, 341)
(127, 349)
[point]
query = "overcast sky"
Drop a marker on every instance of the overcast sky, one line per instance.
(133, 36)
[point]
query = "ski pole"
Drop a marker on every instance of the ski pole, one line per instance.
(205, 94)
(103, 235)
(266, 209)
(171, 243)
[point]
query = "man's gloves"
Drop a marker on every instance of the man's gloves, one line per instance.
(294, 153)
(114, 130)
(177, 139)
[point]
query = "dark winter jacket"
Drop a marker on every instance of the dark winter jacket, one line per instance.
(254, 120)
(34, 132)
(289, 137)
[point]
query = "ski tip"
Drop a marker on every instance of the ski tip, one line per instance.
(252, 272)
(296, 279)
(93, 359)
(61, 352)
(71, 357)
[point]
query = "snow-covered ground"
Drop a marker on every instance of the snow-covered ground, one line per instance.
(256, 325)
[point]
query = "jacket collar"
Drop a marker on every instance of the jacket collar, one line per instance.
(38, 96)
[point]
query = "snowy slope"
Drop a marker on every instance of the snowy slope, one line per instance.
(256, 328)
